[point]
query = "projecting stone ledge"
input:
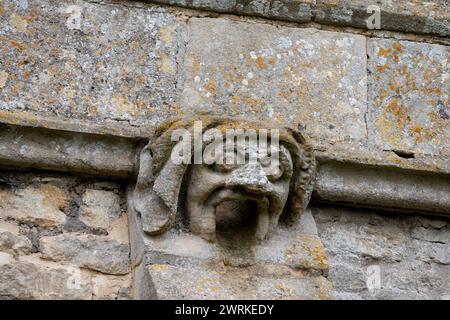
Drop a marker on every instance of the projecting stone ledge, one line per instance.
(406, 16)
(361, 177)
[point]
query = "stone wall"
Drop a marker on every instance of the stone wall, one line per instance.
(62, 237)
(411, 253)
(83, 83)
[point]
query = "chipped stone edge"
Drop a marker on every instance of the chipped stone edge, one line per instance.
(342, 178)
(322, 12)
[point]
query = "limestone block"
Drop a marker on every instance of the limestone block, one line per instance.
(13, 243)
(409, 86)
(107, 287)
(35, 279)
(291, 10)
(87, 60)
(407, 16)
(99, 208)
(5, 258)
(40, 205)
(118, 230)
(410, 256)
(94, 252)
(220, 282)
(294, 75)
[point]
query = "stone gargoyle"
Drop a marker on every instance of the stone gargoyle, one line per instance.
(213, 197)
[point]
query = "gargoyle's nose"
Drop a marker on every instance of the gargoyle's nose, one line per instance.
(251, 177)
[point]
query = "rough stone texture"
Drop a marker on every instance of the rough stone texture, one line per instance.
(409, 88)
(290, 10)
(407, 16)
(28, 280)
(94, 252)
(429, 17)
(99, 208)
(128, 65)
(11, 241)
(383, 187)
(50, 150)
(413, 253)
(297, 76)
(101, 62)
(290, 264)
(218, 282)
(41, 257)
(107, 287)
(39, 205)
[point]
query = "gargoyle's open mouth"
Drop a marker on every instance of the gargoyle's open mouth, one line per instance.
(240, 216)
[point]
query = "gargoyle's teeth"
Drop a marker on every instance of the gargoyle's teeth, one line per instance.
(262, 223)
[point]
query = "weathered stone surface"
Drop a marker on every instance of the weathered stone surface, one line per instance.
(380, 187)
(102, 62)
(106, 287)
(59, 150)
(408, 16)
(94, 252)
(409, 88)
(297, 76)
(119, 230)
(297, 246)
(411, 254)
(5, 258)
(99, 208)
(290, 10)
(220, 282)
(13, 243)
(41, 205)
(33, 279)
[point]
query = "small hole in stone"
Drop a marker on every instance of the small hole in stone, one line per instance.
(236, 218)
(236, 230)
(404, 154)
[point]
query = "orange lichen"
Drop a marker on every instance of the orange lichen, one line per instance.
(416, 132)
(384, 52)
(400, 113)
(17, 45)
(211, 86)
(260, 63)
(380, 68)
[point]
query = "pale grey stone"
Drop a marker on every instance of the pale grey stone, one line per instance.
(407, 16)
(219, 282)
(298, 76)
(10, 242)
(409, 85)
(27, 280)
(94, 252)
(41, 205)
(101, 62)
(99, 208)
(409, 268)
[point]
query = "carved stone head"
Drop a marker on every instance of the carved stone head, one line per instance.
(219, 197)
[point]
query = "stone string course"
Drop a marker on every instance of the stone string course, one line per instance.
(429, 17)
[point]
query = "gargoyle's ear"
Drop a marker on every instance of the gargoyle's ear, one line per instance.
(156, 198)
(304, 181)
